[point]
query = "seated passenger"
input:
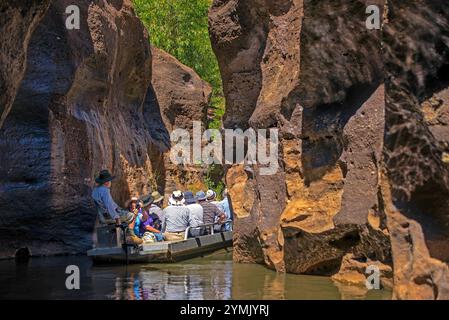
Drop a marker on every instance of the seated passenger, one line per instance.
(211, 197)
(196, 214)
(226, 208)
(211, 213)
(176, 217)
(108, 211)
(145, 222)
(132, 204)
(155, 209)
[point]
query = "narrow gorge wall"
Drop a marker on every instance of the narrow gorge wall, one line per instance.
(78, 101)
(183, 98)
(361, 117)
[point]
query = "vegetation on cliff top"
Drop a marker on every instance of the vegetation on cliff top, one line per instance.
(180, 27)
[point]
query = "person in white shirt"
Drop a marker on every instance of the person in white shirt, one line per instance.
(196, 213)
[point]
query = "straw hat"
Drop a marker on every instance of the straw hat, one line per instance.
(133, 199)
(210, 194)
(157, 196)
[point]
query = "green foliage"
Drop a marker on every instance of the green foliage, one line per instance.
(180, 27)
(213, 180)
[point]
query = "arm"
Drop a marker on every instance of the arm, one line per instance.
(136, 221)
(151, 229)
(225, 207)
(111, 206)
(191, 219)
(220, 214)
(163, 223)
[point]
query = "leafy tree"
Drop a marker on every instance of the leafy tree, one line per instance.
(180, 27)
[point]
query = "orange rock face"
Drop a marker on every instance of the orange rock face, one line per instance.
(354, 107)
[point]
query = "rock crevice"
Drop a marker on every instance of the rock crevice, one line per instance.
(357, 110)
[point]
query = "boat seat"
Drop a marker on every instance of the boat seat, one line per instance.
(108, 235)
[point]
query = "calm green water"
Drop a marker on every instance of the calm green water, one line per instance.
(212, 277)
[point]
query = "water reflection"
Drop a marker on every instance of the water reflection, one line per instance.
(213, 277)
(198, 279)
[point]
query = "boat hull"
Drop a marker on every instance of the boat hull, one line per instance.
(164, 252)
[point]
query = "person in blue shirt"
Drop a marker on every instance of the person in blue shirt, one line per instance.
(226, 208)
(145, 222)
(108, 211)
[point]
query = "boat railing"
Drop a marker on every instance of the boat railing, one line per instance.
(207, 225)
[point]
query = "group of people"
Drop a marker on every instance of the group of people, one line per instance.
(147, 222)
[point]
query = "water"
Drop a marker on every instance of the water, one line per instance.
(212, 277)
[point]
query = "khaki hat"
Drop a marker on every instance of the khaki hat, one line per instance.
(127, 218)
(157, 196)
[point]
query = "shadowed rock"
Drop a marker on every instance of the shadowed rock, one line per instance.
(352, 105)
(183, 98)
(86, 102)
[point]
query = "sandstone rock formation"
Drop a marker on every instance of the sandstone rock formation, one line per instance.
(362, 116)
(354, 272)
(183, 98)
(360, 113)
(17, 22)
(86, 102)
(415, 187)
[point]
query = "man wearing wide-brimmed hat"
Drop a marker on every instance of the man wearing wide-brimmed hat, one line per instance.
(156, 205)
(211, 213)
(196, 213)
(108, 211)
(177, 217)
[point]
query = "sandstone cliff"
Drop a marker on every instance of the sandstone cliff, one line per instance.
(78, 101)
(362, 116)
(362, 121)
(183, 98)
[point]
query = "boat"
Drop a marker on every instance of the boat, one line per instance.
(110, 247)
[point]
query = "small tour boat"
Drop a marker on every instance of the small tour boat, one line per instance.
(110, 247)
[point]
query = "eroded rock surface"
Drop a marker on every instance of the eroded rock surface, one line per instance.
(18, 20)
(183, 99)
(416, 193)
(86, 102)
(354, 272)
(300, 66)
(354, 107)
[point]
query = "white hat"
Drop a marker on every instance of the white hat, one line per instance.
(176, 199)
(174, 202)
(210, 194)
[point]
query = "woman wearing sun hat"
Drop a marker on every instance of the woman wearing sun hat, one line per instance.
(156, 206)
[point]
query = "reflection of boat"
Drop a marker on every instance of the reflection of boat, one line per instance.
(109, 247)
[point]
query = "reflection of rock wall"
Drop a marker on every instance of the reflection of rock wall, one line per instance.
(86, 102)
(313, 70)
